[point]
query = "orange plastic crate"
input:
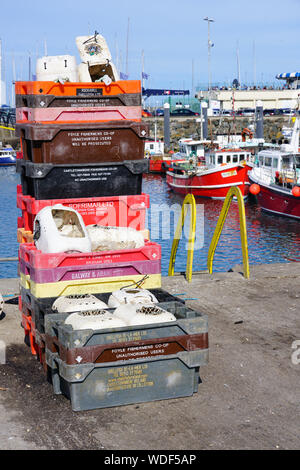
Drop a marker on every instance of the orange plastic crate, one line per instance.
(24, 236)
(77, 88)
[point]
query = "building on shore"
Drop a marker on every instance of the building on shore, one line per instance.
(227, 98)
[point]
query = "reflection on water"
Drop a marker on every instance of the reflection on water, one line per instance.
(270, 238)
(8, 220)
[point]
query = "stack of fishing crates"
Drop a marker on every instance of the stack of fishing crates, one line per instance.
(83, 147)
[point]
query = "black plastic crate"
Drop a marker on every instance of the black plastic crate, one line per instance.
(39, 307)
(47, 181)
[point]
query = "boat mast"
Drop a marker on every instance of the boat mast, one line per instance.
(127, 38)
(0, 71)
(209, 45)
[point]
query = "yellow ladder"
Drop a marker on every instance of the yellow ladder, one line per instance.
(234, 191)
(189, 200)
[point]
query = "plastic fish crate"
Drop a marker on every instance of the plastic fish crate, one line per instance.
(92, 386)
(85, 142)
(71, 93)
(89, 286)
(29, 331)
(38, 308)
(74, 273)
(78, 114)
(114, 211)
(37, 259)
(47, 181)
(88, 99)
(24, 236)
(40, 341)
(189, 332)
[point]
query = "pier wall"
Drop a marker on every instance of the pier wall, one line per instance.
(189, 127)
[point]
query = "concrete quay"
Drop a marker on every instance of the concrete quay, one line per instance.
(249, 397)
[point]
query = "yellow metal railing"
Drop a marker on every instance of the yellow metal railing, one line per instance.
(189, 200)
(233, 191)
(8, 128)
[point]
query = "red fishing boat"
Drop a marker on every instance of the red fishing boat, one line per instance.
(158, 161)
(275, 181)
(222, 169)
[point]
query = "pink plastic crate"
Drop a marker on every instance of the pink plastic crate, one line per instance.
(37, 259)
(114, 211)
(65, 114)
(71, 273)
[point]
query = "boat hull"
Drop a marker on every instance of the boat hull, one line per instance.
(7, 162)
(277, 200)
(158, 165)
(212, 184)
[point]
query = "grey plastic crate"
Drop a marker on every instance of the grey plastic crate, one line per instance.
(92, 386)
(188, 321)
(188, 332)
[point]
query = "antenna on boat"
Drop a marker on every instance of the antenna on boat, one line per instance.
(254, 65)
(238, 64)
(142, 69)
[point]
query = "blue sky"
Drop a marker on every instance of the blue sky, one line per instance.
(172, 34)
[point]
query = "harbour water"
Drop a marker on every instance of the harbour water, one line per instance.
(271, 239)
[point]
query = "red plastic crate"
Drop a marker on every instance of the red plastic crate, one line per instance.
(79, 114)
(29, 330)
(115, 211)
(37, 259)
(70, 273)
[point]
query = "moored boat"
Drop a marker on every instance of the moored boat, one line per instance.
(275, 181)
(222, 169)
(7, 156)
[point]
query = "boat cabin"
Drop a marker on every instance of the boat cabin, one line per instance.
(190, 147)
(154, 147)
(284, 168)
(277, 161)
(227, 157)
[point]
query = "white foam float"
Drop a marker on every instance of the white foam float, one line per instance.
(77, 303)
(60, 229)
(147, 314)
(94, 320)
(57, 68)
(114, 238)
(131, 296)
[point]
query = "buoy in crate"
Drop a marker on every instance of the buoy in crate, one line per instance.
(77, 303)
(151, 314)
(60, 229)
(94, 320)
(131, 296)
(114, 238)
(96, 60)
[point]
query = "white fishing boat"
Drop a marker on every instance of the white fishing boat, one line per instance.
(7, 156)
